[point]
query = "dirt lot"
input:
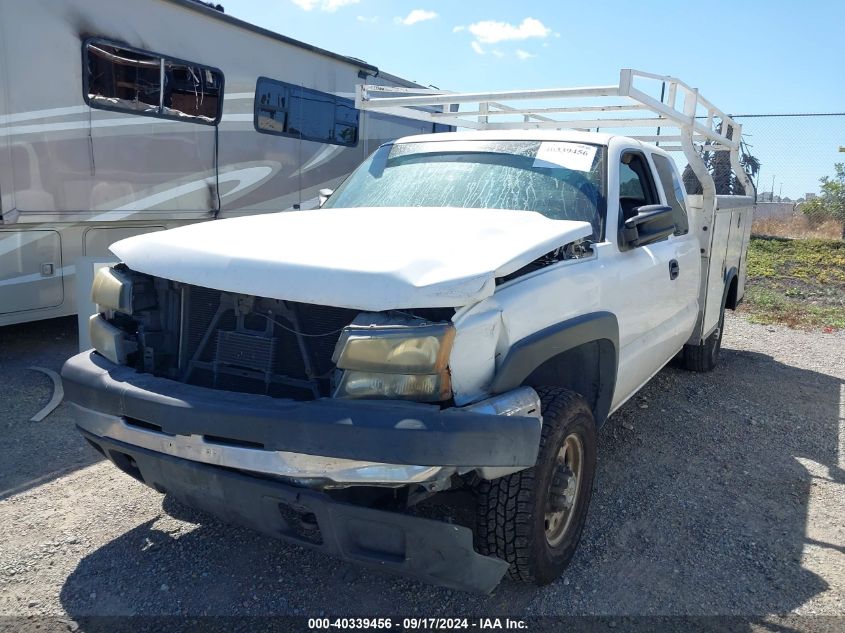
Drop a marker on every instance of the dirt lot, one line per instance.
(721, 493)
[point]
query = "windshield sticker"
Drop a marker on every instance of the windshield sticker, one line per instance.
(575, 156)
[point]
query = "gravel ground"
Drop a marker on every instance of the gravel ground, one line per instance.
(717, 493)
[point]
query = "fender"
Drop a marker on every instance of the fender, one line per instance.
(533, 352)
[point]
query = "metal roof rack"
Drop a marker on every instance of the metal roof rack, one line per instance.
(697, 124)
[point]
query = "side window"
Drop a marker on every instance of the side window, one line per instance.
(289, 110)
(636, 188)
(674, 192)
(139, 82)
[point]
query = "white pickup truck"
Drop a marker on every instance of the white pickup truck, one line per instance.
(463, 313)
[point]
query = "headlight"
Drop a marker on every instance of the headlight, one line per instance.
(112, 290)
(109, 341)
(394, 360)
(422, 388)
(395, 349)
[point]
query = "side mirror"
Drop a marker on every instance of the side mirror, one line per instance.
(652, 223)
(325, 194)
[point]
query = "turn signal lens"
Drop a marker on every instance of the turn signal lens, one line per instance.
(109, 341)
(419, 387)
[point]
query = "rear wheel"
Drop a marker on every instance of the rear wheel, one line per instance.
(705, 356)
(533, 519)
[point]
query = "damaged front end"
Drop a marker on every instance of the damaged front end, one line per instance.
(326, 426)
(283, 349)
(287, 351)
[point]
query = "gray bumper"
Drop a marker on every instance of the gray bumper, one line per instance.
(411, 546)
(375, 431)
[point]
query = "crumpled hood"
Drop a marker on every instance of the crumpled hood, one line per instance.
(362, 258)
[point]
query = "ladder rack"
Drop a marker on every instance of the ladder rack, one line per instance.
(696, 123)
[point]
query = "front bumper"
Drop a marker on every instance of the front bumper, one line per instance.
(411, 546)
(268, 435)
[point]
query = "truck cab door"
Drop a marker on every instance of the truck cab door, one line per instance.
(657, 284)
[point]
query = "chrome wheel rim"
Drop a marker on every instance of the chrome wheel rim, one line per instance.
(564, 489)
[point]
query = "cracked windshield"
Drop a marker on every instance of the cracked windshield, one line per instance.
(561, 180)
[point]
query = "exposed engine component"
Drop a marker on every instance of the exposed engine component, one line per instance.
(236, 342)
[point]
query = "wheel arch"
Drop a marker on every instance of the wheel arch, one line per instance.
(580, 354)
(731, 288)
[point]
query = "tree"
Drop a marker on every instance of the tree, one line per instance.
(830, 203)
(719, 165)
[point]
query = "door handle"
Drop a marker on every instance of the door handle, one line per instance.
(674, 269)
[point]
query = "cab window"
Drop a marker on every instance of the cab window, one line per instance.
(636, 188)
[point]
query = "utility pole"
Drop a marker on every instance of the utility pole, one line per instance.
(773, 189)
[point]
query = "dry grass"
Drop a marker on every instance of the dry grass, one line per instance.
(797, 227)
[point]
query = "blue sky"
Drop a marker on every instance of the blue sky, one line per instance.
(748, 57)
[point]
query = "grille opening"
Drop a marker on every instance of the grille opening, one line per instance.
(281, 349)
(246, 344)
(228, 441)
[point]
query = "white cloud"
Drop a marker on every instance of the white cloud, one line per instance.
(329, 6)
(367, 20)
(458, 29)
(491, 32)
(523, 55)
(417, 15)
(498, 54)
(477, 47)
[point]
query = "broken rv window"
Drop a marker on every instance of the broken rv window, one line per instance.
(139, 82)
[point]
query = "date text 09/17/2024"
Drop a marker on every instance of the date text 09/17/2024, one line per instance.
(417, 624)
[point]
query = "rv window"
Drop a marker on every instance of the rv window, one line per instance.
(298, 112)
(128, 80)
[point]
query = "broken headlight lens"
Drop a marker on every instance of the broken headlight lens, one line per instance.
(402, 360)
(112, 290)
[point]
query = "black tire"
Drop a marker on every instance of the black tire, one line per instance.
(511, 521)
(705, 357)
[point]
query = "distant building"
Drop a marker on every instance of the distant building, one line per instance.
(809, 196)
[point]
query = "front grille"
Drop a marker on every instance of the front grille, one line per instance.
(257, 345)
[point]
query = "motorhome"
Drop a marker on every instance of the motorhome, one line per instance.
(122, 118)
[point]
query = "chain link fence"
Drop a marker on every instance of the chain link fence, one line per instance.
(794, 151)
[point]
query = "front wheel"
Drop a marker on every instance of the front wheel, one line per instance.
(533, 519)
